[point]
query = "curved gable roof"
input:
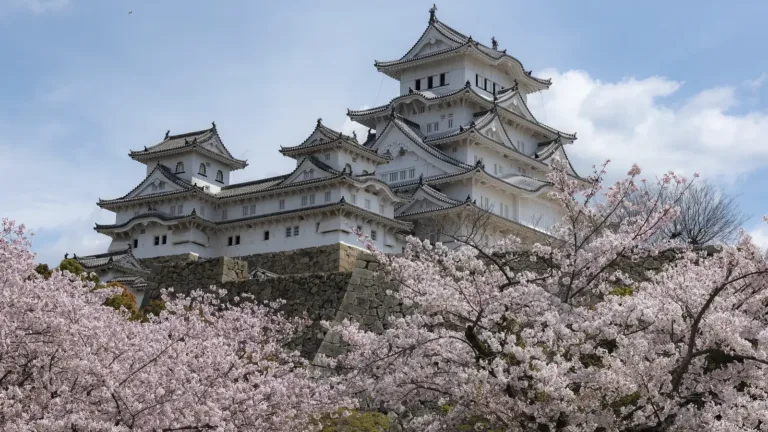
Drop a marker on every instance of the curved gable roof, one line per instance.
(206, 141)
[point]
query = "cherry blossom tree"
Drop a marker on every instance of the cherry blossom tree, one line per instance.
(68, 362)
(558, 337)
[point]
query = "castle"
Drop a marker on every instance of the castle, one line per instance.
(459, 138)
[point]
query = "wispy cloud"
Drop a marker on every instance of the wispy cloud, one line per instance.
(758, 82)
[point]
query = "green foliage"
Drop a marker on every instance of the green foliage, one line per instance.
(622, 291)
(43, 270)
(154, 307)
(356, 421)
(625, 401)
(75, 268)
(477, 423)
(71, 266)
(125, 299)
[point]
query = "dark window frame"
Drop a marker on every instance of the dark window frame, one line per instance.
(179, 165)
(165, 239)
(220, 176)
(266, 235)
(442, 79)
(418, 84)
(430, 82)
(203, 170)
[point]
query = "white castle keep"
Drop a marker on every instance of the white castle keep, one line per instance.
(459, 138)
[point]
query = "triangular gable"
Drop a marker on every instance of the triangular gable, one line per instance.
(432, 40)
(494, 130)
(157, 182)
(423, 201)
(394, 142)
(215, 145)
(518, 105)
(308, 169)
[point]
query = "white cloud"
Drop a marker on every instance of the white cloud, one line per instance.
(34, 6)
(633, 120)
(759, 235)
(350, 126)
(758, 82)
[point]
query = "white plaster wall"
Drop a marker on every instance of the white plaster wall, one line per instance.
(171, 161)
(538, 213)
(495, 199)
(339, 159)
(432, 114)
(146, 247)
(474, 66)
(210, 178)
(453, 68)
(404, 163)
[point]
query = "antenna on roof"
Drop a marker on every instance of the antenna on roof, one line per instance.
(432, 14)
(168, 132)
(494, 43)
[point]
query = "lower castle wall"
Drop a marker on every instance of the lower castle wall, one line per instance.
(338, 257)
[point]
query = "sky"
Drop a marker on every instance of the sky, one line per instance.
(677, 86)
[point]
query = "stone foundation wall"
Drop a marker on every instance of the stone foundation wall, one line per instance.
(168, 260)
(317, 296)
(186, 276)
(366, 302)
(338, 257)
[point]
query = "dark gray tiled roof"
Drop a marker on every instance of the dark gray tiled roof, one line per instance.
(434, 193)
(123, 260)
(411, 130)
(166, 172)
(190, 139)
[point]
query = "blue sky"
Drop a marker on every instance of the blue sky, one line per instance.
(670, 85)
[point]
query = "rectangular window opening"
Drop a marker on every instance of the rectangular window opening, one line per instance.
(266, 235)
(442, 79)
(429, 82)
(282, 204)
(157, 241)
(165, 238)
(295, 230)
(328, 196)
(288, 231)
(373, 234)
(135, 243)
(418, 84)
(229, 241)
(237, 240)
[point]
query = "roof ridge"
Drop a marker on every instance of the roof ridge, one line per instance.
(188, 134)
(253, 182)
